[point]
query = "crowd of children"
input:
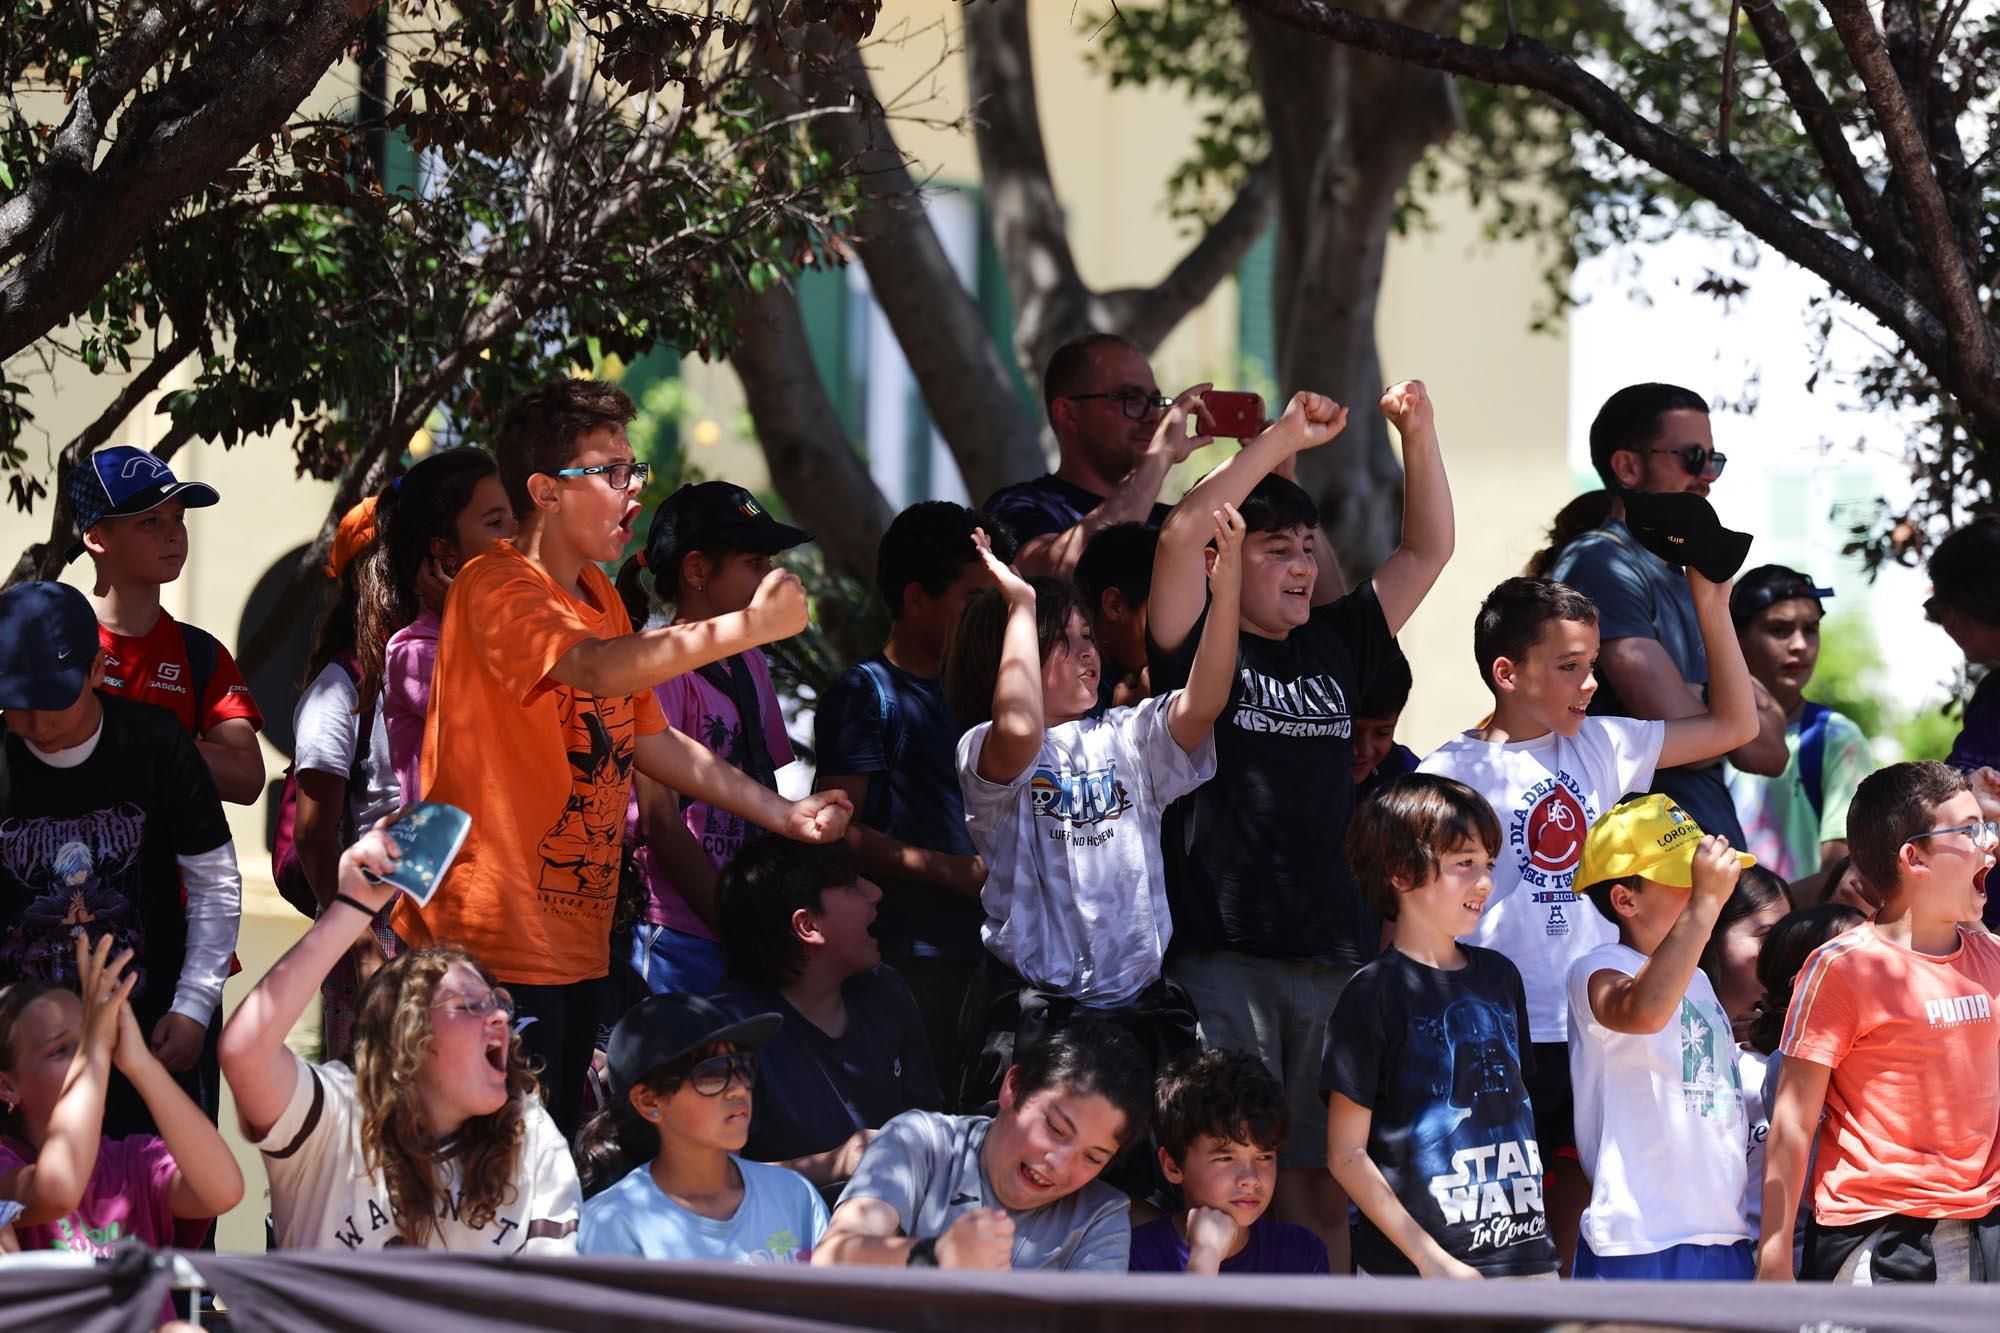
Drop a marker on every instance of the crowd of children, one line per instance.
(1127, 865)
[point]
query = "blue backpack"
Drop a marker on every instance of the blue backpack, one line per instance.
(1812, 753)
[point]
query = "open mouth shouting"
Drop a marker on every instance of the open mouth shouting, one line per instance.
(496, 1052)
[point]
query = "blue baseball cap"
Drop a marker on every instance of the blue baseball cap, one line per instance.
(122, 480)
(48, 641)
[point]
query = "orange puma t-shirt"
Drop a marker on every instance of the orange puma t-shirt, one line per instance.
(544, 771)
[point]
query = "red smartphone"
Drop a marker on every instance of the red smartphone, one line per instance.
(1232, 414)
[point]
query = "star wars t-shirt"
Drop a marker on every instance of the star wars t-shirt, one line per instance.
(1547, 793)
(1436, 1057)
(94, 848)
(1257, 859)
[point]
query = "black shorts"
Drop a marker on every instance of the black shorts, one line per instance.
(1549, 1092)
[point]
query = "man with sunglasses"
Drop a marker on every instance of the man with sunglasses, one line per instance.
(1656, 439)
(1893, 1034)
(1118, 436)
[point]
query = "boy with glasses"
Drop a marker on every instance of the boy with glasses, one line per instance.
(1656, 439)
(541, 707)
(1891, 1037)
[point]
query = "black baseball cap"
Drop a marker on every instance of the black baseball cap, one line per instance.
(48, 640)
(1682, 529)
(1766, 586)
(121, 480)
(660, 1029)
(706, 514)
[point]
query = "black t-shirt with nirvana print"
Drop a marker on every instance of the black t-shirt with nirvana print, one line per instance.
(1256, 858)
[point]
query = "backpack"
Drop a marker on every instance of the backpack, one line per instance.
(874, 811)
(1812, 754)
(202, 654)
(286, 870)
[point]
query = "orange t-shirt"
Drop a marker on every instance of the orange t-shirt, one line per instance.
(1912, 1123)
(544, 771)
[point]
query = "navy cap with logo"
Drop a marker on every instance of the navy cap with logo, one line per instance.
(1766, 586)
(706, 514)
(1681, 528)
(661, 1029)
(121, 480)
(48, 641)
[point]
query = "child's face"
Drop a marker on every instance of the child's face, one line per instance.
(1278, 578)
(142, 548)
(1648, 911)
(935, 619)
(1737, 986)
(45, 1040)
(718, 1121)
(592, 517)
(732, 580)
(487, 518)
(52, 729)
(1451, 900)
(1553, 685)
(464, 1074)
(1781, 644)
(1121, 634)
(1049, 1145)
(1070, 673)
(1228, 1174)
(845, 922)
(1374, 737)
(1953, 865)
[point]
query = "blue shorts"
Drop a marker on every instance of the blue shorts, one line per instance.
(1679, 1263)
(672, 961)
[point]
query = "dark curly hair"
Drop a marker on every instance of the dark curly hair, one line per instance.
(1225, 1094)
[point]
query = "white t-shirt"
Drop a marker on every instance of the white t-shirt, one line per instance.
(329, 730)
(1750, 1069)
(1659, 1120)
(1075, 896)
(324, 1198)
(1547, 793)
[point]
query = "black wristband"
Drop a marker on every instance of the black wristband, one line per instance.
(353, 902)
(923, 1254)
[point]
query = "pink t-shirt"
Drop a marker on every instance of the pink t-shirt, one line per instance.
(696, 708)
(128, 1198)
(406, 692)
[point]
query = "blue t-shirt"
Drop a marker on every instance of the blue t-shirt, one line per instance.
(1273, 1247)
(1640, 596)
(906, 743)
(1048, 504)
(1978, 743)
(779, 1221)
(814, 1091)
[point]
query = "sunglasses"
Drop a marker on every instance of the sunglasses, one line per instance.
(712, 1077)
(1697, 460)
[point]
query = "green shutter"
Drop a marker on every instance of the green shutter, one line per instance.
(997, 304)
(1256, 342)
(823, 308)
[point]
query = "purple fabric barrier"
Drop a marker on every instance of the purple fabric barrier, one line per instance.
(115, 1295)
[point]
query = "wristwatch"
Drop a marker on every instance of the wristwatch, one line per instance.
(923, 1254)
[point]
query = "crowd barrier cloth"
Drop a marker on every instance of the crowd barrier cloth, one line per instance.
(412, 1292)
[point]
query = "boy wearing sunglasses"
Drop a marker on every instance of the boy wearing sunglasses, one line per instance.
(1892, 1034)
(542, 705)
(1656, 439)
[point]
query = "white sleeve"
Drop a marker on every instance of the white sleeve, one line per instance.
(1634, 750)
(327, 724)
(986, 802)
(1164, 766)
(214, 909)
(552, 1196)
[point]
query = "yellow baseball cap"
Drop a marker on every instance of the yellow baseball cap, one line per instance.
(1647, 835)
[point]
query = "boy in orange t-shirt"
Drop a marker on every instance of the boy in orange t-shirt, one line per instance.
(540, 708)
(1892, 1032)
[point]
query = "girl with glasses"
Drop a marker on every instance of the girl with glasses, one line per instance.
(662, 1161)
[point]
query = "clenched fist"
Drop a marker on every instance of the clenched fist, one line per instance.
(983, 1238)
(778, 609)
(1408, 407)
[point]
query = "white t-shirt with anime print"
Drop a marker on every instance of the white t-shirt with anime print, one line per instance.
(323, 1197)
(1075, 896)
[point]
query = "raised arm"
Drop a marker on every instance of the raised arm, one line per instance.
(687, 766)
(1130, 501)
(260, 1070)
(1403, 580)
(206, 1181)
(635, 662)
(1731, 717)
(1015, 737)
(1648, 1001)
(1794, 1120)
(1310, 420)
(1191, 715)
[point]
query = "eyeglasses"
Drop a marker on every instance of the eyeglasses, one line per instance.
(497, 998)
(712, 1077)
(1696, 459)
(618, 476)
(1137, 403)
(1983, 832)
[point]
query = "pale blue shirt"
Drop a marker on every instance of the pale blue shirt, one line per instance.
(779, 1221)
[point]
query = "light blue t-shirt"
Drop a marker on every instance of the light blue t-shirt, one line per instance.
(778, 1222)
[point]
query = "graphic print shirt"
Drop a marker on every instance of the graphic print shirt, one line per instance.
(153, 668)
(544, 770)
(1436, 1057)
(1660, 1123)
(1075, 901)
(1547, 793)
(1257, 860)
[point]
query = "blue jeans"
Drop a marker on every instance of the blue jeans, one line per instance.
(674, 962)
(1679, 1263)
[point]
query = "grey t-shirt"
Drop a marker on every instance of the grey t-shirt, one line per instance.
(926, 1166)
(1640, 596)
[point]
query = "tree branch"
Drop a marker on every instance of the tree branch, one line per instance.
(1147, 315)
(1728, 80)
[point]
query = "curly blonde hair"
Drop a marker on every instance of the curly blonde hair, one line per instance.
(392, 1039)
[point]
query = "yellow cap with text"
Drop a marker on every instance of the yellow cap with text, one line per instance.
(1648, 836)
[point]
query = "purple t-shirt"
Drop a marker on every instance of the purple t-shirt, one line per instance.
(407, 664)
(696, 708)
(1274, 1247)
(128, 1198)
